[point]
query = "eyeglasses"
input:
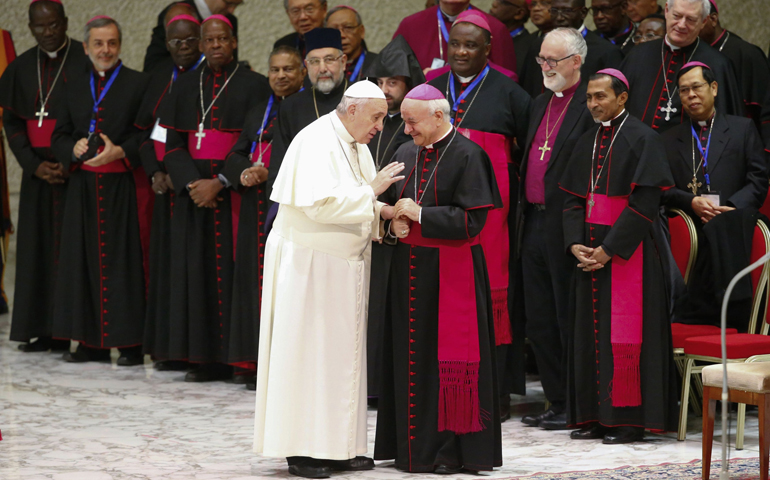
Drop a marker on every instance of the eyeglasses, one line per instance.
(314, 62)
(309, 10)
(696, 87)
(639, 38)
(347, 29)
(550, 61)
(556, 11)
(604, 10)
(40, 29)
(189, 41)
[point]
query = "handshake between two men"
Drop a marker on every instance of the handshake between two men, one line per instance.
(405, 211)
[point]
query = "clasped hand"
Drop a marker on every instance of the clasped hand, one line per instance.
(590, 258)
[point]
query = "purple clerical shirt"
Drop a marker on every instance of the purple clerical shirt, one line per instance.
(535, 181)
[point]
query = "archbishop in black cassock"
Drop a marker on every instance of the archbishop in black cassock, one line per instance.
(455, 201)
(202, 236)
(620, 370)
(101, 300)
(43, 187)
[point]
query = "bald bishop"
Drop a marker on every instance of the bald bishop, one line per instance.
(312, 343)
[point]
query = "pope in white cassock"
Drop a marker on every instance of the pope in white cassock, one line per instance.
(311, 378)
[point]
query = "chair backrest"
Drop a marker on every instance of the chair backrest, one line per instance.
(760, 245)
(684, 241)
(765, 208)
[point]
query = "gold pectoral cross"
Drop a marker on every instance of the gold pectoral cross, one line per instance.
(591, 204)
(543, 149)
(694, 185)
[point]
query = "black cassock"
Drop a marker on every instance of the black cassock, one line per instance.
(101, 299)
(456, 202)
(753, 74)
(649, 65)
(41, 204)
(156, 105)
(634, 172)
(202, 238)
(738, 172)
(297, 112)
(521, 45)
(382, 147)
(249, 259)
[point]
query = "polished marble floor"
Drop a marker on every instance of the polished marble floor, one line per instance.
(98, 421)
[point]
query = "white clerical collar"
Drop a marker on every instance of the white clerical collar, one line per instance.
(451, 19)
(203, 8)
(55, 53)
(609, 122)
(340, 129)
(672, 47)
(442, 137)
(582, 29)
(703, 123)
(391, 115)
(466, 79)
(559, 94)
(101, 74)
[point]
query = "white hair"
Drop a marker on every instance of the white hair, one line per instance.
(573, 41)
(440, 105)
(342, 107)
(705, 6)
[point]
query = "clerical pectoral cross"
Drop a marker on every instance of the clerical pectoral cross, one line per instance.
(591, 204)
(543, 149)
(694, 185)
(42, 113)
(669, 110)
(200, 135)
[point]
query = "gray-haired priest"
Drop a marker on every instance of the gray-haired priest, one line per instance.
(312, 341)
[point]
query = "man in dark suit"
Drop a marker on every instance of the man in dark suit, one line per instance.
(157, 53)
(601, 53)
(720, 169)
(559, 117)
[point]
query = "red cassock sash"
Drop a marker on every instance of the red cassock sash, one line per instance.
(458, 334)
(215, 146)
(494, 236)
(40, 137)
(160, 150)
(626, 309)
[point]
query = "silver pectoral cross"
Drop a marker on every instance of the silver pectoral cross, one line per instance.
(42, 113)
(591, 204)
(543, 149)
(669, 110)
(200, 135)
(694, 185)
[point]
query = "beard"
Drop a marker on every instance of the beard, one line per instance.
(326, 85)
(100, 65)
(554, 83)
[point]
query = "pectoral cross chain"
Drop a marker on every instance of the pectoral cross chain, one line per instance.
(669, 110)
(42, 113)
(543, 149)
(591, 204)
(200, 135)
(694, 185)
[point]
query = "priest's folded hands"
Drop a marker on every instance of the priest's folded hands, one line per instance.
(110, 153)
(590, 258)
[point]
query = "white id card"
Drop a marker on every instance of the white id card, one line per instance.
(158, 132)
(437, 63)
(712, 197)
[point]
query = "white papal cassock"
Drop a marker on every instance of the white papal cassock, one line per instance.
(311, 378)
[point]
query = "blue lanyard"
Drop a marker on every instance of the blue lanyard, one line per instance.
(630, 26)
(265, 119)
(359, 64)
(584, 32)
(92, 127)
(442, 24)
(197, 64)
(474, 84)
(704, 154)
(516, 32)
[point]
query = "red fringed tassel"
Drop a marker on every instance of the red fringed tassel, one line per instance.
(503, 334)
(626, 387)
(459, 410)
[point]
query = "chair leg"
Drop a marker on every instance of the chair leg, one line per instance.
(764, 440)
(741, 426)
(696, 393)
(709, 410)
(682, 433)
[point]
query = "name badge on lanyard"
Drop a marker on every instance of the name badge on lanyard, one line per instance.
(158, 133)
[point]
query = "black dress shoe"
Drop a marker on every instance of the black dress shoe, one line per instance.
(209, 372)
(308, 471)
(251, 384)
(621, 435)
(535, 420)
(505, 408)
(42, 344)
(85, 354)
(557, 422)
(447, 470)
(131, 359)
(357, 464)
(592, 431)
(171, 365)
(244, 378)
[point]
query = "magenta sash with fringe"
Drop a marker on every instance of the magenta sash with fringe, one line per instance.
(494, 236)
(626, 309)
(459, 409)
